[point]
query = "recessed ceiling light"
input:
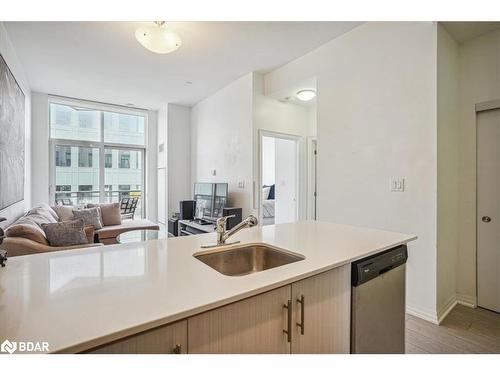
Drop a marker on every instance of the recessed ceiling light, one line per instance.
(158, 38)
(306, 95)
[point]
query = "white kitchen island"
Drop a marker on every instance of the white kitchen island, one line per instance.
(117, 297)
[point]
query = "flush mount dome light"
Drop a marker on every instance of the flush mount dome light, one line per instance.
(306, 95)
(158, 38)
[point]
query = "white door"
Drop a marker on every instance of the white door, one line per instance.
(488, 210)
(286, 180)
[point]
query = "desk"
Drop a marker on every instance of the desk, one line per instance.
(189, 227)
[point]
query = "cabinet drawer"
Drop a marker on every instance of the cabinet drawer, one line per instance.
(168, 339)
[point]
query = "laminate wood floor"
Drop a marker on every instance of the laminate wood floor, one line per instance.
(464, 330)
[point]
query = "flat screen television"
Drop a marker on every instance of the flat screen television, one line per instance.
(210, 199)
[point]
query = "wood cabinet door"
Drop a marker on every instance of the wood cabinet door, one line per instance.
(254, 325)
(168, 339)
(326, 314)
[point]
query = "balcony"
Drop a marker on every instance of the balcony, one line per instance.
(81, 198)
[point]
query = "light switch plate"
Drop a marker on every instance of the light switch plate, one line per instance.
(214, 172)
(397, 184)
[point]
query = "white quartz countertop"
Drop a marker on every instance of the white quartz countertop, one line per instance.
(78, 299)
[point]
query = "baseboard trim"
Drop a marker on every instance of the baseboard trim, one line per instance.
(469, 301)
(430, 317)
(456, 299)
(448, 306)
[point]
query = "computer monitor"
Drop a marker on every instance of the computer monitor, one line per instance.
(210, 199)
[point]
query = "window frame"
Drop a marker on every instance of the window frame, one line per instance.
(100, 145)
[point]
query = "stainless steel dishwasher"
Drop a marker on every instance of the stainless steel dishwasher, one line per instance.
(378, 303)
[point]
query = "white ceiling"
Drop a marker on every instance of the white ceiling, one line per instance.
(102, 61)
(464, 31)
(289, 94)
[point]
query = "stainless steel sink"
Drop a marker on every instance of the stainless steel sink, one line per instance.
(245, 259)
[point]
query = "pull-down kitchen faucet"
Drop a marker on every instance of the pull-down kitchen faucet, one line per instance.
(223, 235)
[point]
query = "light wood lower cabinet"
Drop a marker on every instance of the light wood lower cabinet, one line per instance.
(168, 339)
(318, 321)
(256, 325)
(253, 325)
(326, 300)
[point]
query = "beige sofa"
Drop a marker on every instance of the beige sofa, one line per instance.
(25, 236)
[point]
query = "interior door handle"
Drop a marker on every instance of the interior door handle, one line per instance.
(486, 219)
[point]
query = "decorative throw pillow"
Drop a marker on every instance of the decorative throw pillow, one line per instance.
(29, 225)
(65, 233)
(271, 192)
(25, 227)
(110, 213)
(41, 214)
(64, 213)
(89, 233)
(49, 209)
(90, 216)
(265, 192)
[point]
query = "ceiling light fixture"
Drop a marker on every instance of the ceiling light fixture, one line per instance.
(158, 38)
(306, 95)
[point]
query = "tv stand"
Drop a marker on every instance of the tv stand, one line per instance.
(187, 227)
(190, 227)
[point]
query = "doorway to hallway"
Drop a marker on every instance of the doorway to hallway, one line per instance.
(279, 178)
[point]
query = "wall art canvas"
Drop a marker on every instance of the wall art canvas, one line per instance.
(12, 115)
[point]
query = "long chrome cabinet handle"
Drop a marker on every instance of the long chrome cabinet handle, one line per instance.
(288, 331)
(302, 304)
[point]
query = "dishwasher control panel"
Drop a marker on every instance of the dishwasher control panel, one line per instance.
(368, 268)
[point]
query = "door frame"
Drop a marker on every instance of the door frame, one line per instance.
(490, 105)
(312, 179)
(298, 196)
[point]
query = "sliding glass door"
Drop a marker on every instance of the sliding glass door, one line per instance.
(96, 155)
(123, 175)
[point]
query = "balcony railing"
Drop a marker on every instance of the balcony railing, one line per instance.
(81, 198)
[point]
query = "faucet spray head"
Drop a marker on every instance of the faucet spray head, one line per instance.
(252, 220)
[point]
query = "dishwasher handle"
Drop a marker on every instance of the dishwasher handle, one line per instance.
(386, 269)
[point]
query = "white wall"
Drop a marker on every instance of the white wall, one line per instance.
(222, 141)
(40, 148)
(151, 163)
(179, 156)
(161, 160)
(376, 115)
(7, 50)
(268, 161)
(272, 115)
(447, 164)
(479, 82)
